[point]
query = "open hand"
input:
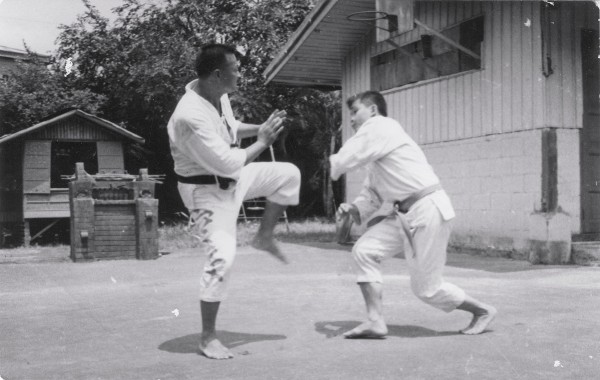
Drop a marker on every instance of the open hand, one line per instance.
(270, 129)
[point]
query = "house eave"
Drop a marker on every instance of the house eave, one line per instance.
(314, 54)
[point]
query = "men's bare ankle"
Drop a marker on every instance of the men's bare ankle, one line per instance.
(208, 335)
(260, 236)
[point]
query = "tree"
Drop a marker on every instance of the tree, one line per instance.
(33, 92)
(318, 135)
(142, 62)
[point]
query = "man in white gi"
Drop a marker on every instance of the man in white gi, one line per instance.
(215, 176)
(399, 173)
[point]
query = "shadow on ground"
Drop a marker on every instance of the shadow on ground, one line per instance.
(332, 329)
(188, 344)
(467, 259)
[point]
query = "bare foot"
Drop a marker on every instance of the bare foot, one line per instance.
(269, 245)
(480, 321)
(213, 349)
(368, 330)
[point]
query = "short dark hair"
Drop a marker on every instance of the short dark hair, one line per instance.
(212, 57)
(369, 98)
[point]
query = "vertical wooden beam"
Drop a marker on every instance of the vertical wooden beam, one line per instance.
(146, 211)
(82, 229)
(147, 228)
(82, 220)
(549, 170)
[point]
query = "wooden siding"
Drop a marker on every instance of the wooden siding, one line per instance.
(564, 96)
(36, 167)
(356, 78)
(509, 94)
(115, 231)
(52, 205)
(74, 128)
(110, 156)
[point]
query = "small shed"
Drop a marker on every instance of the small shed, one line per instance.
(33, 161)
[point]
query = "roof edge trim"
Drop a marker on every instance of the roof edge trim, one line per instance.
(298, 37)
(94, 119)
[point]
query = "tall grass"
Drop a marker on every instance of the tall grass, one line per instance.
(174, 237)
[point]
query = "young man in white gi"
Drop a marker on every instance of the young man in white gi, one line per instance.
(215, 176)
(399, 173)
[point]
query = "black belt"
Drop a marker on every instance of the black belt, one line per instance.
(223, 182)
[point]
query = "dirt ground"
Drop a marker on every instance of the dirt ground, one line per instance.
(129, 319)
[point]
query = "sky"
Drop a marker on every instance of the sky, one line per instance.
(37, 21)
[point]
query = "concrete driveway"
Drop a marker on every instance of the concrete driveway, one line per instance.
(131, 319)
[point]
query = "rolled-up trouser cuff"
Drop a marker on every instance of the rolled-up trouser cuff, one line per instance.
(447, 297)
(210, 299)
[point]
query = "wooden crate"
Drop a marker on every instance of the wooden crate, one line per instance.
(113, 219)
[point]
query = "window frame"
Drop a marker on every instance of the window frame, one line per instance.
(418, 54)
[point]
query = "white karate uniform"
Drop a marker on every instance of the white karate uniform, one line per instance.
(200, 143)
(397, 168)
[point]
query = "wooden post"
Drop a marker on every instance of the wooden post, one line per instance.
(26, 233)
(82, 215)
(147, 228)
(82, 229)
(146, 217)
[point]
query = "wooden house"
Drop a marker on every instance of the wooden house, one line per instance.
(10, 57)
(503, 97)
(33, 160)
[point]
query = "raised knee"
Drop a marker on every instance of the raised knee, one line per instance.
(292, 172)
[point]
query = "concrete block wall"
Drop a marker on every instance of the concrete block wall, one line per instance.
(495, 184)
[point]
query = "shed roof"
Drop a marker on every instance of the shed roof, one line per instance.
(94, 119)
(314, 54)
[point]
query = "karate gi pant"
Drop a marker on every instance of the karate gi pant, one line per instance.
(430, 234)
(214, 213)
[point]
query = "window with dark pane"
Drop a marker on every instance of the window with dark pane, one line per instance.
(64, 156)
(428, 58)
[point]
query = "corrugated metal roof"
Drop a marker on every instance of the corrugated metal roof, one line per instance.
(313, 55)
(95, 119)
